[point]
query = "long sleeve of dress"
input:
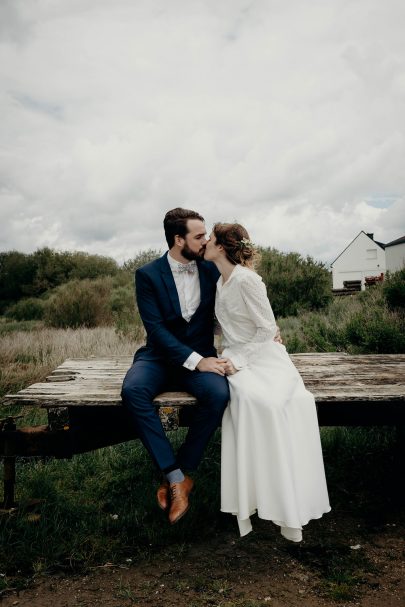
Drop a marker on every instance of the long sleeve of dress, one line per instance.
(254, 295)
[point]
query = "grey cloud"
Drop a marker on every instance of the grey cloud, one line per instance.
(15, 25)
(123, 110)
(36, 105)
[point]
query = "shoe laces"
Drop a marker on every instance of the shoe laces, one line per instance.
(173, 492)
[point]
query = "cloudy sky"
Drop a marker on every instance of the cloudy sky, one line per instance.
(285, 115)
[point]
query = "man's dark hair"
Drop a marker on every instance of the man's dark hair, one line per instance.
(175, 223)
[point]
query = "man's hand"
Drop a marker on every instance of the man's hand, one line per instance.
(278, 337)
(211, 364)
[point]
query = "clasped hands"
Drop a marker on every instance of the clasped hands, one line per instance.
(221, 366)
(224, 366)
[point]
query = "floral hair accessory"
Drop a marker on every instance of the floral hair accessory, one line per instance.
(245, 243)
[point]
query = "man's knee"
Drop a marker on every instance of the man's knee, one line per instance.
(135, 394)
(217, 393)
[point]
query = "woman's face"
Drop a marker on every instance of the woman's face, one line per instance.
(211, 249)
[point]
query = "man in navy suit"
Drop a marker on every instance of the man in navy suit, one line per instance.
(176, 297)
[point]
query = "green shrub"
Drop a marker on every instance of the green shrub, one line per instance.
(376, 332)
(33, 274)
(394, 289)
(362, 323)
(125, 312)
(294, 283)
(140, 260)
(80, 303)
(27, 309)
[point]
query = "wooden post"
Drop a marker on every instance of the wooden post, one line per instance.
(9, 467)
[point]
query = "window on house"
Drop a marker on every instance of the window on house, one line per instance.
(371, 254)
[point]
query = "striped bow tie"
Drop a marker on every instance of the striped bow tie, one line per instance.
(186, 267)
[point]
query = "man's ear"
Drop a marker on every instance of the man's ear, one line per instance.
(178, 240)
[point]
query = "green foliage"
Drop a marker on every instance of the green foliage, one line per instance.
(16, 271)
(394, 289)
(140, 260)
(362, 323)
(80, 303)
(27, 309)
(375, 333)
(125, 313)
(33, 274)
(8, 326)
(294, 283)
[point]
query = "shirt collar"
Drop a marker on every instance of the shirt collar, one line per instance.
(177, 266)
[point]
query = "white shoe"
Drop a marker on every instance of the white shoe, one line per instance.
(245, 526)
(294, 535)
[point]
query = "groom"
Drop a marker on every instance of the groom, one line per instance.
(176, 297)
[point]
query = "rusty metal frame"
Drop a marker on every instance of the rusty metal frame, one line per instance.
(74, 430)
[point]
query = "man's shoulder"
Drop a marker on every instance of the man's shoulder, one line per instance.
(152, 266)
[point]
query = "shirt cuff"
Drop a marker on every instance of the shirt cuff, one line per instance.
(192, 361)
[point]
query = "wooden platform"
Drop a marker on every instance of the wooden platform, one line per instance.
(85, 410)
(348, 390)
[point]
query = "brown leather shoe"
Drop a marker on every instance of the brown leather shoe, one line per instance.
(179, 493)
(163, 495)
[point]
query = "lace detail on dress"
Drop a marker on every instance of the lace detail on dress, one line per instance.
(245, 314)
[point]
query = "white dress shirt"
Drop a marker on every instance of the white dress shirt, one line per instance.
(188, 290)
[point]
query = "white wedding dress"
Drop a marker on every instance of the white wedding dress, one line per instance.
(271, 461)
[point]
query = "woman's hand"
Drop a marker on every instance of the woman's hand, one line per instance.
(212, 364)
(229, 367)
(278, 337)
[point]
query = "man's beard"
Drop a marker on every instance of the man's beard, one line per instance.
(190, 255)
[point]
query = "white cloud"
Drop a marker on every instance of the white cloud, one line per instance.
(287, 116)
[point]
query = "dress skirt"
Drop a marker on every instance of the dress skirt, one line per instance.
(271, 460)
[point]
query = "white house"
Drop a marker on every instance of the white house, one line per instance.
(395, 254)
(363, 257)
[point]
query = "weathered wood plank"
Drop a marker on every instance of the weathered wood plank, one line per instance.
(331, 377)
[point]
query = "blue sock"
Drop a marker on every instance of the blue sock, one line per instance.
(175, 476)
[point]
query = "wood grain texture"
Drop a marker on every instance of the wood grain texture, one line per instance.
(331, 377)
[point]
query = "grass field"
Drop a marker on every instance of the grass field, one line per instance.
(100, 507)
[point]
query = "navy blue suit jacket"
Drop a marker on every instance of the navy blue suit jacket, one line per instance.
(170, 338)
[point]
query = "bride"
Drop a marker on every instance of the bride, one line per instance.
(271, 460)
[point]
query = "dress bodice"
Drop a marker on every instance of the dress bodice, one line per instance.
(244, 313)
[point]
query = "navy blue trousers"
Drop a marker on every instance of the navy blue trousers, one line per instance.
(145, 380)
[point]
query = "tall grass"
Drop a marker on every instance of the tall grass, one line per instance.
(361, 323)
(27, 357)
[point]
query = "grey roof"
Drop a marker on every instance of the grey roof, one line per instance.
(397, 241)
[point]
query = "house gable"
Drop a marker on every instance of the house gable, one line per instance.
(362, 258)
(354, 239)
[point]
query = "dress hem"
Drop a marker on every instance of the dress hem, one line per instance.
(294, 524)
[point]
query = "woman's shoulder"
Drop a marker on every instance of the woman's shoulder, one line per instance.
(247, 276)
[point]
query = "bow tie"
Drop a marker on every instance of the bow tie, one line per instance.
(186, 267)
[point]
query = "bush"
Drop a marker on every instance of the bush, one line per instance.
(33, 274)
(125, 313)
(294, 283)
(362, 323)
(394, 289)
(375, 333)
(80, 303)
(27, 309)
(140, 260)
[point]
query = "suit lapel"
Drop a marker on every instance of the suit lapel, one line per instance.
(167, 276)
(203, 284)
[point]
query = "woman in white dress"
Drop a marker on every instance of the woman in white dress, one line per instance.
(271, 460)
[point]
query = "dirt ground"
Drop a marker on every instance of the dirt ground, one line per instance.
(340, 562)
